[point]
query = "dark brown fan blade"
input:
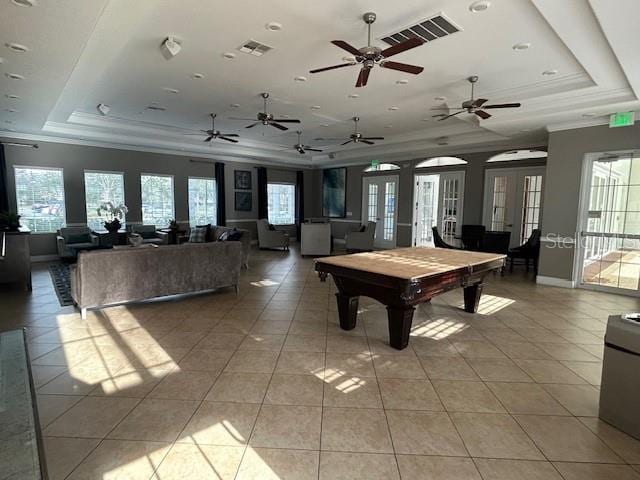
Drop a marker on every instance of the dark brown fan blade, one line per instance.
(363, 77)
(317, 70)
(367, 142)
(285, 120)
(222, 137)
(278, 126)
(504, 105)
(402, 47)
(312, 149)
(229, 135)
(478, 102)
(253, 125)
(371, 138)
(403, 67)
(451, 115)
(482, 114)
(345, 46)
(208, 139)
(348, 141)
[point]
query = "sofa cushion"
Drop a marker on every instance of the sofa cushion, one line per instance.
(209, 232)
(224, 236)
(198, 235)
(148, 235)
(234, 236)
(78, 238)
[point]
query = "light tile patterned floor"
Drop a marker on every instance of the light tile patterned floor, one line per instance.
(266, 386)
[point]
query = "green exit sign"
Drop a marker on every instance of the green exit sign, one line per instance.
(623, 119)
(375, 164)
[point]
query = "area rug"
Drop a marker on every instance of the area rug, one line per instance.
(61, 282)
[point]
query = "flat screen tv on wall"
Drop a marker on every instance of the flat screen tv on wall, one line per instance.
(334, 191)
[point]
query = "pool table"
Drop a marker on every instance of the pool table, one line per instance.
(403, 278)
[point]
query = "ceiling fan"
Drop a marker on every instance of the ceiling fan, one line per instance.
(301, 148)
(213, 134)
(476, 106)
(356, 136)
(265, 118)
(370, 55)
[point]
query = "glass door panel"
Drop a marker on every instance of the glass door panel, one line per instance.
(610, 237)
(426, 209)
(379, 204)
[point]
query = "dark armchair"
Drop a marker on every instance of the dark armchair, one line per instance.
(496, 242)
(529, 251)
(472, 236)
(439, 242)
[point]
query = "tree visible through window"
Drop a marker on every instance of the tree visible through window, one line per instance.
(40, 198)
(202, 201)
(101, 187)
(282, 201)
(157, 199)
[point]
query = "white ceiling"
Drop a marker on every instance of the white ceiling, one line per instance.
(82, 53)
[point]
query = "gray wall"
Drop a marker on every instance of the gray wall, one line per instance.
(567, 150)
(473, 191)
(75, 159)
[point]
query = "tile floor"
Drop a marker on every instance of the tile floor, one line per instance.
(266, 385)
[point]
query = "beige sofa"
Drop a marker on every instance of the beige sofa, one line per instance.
(128, 274)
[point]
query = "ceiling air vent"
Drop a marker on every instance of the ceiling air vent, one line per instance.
(156, 108)
(254, 48)
(428, 30)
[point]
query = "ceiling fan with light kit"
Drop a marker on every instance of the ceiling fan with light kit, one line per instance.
(213, 134)
(371, 55)
(266, 118)
(302, 148)
(356, 136)
(476, 106)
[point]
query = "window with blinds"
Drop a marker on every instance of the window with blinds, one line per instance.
(157, 199)
(202, 201)
(282, 201)
(40, 198)
(102, 187)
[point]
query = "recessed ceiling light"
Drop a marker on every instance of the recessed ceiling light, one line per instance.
(349, 59)
(171, 90)
(1, 60)
(229, 55)
(11, 96)
(273, 26)
(14, 76)
(388, 126)
(353, 95)
(235, 105)
(315, 107)
(426, 119)
(300, 79)
(442, 141)
(439, 99)
(479, 6)
(11, 110)
(393, 108)
(590, 114)
(16, 47)
(550, 72)
(197, 76)
(402, 81)
(324, 125)
(103, 108)
(525, 130)
(284, 115)
(25, 3)
(522, 46)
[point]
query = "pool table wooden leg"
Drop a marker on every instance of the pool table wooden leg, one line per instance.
(472, 295)
(347, 311)
(400, 319)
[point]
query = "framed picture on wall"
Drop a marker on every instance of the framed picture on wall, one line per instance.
(242, 179)
(243, 201)
(334, 192)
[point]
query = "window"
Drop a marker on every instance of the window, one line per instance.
(202, 201)
(101, 187)
(441, 162)
(530, 206)
(157, 199)
(382, 167)
(517, 155)
(40, 198)
(282, 200)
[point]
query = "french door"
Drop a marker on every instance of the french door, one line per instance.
(609, 241)
(438, 201)
(513, 201)
(380, 205)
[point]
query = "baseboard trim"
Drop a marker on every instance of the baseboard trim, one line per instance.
(555, 282)
(44, 258)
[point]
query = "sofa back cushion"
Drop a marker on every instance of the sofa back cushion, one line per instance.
(198, 235)
(78, 238)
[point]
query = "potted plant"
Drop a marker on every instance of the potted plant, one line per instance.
(113, 214)
(9, 221)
